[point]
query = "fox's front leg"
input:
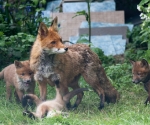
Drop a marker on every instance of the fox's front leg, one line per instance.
(43, 90)
(147, 100)
(20, 94)
(63, 91)
(147, 88)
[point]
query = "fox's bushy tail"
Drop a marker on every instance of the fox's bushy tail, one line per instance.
(71, 94)
(32, 97)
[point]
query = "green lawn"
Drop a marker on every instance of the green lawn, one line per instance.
(130, 110)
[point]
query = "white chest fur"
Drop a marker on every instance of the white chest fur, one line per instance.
(45, 68)
(21, 84)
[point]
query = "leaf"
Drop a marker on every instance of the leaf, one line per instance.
(2, 43)
(1, 33)
(148, 45)
(35, 2)
(83, 41)
(17, 53)
(143, 2)
(79, 13)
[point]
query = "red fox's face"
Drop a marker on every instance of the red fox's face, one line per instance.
(140, 70)
(50, 40)
(25, 74)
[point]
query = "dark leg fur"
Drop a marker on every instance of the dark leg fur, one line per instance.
(147, 100)
(101, 102)
(74, 85)
(78, 100)
(68, 105)
(29, 114)
(26, 100)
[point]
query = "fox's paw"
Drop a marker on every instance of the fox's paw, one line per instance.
(29, 114)
(101, 106)
(74, 107)
(147, 101)
(26, 113)
(68, 105)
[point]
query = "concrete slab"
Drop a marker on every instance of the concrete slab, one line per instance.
(69, 26)
(94, 6)
(119, 30)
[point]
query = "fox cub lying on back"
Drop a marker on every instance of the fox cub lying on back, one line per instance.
(20, 76)
(141, 73)
(50, 108)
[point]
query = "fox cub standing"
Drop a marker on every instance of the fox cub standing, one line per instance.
(49, 56)
(50, 107)
(141, 73)
(20, 76)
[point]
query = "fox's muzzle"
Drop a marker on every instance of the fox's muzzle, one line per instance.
(136, 81)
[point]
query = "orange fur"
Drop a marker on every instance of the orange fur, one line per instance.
(52, 107)
(20, 76)
(141, 73)
(52, 62)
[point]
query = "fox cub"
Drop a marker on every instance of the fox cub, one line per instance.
(50, 108)
(141, 73)
(20, 76)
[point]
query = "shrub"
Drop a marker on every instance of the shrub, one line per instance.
(15, 47)
(19, 21)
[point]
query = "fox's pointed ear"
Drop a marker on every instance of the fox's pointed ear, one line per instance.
(132, 62)
(54, 24)
(43, 30)
(144, 63)
(18, 64)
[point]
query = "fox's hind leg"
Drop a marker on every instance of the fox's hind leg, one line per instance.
(74, 85)
(63, 91)
(8, 91)
(92, 79)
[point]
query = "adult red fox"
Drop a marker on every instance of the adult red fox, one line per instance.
(20, 76)
(141, 73)
(49, 56)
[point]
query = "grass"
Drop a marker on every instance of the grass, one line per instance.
(130, 110)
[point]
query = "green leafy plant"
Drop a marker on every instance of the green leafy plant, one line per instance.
(88, 18)
(19, 21)
(120, 75)
(139, 46)
(21, 16)
(135, 49)
(144, 7)
(15, 47)
(86, 38)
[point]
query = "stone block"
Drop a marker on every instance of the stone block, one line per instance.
(109, 44)
(69, 26)
(100, 31)
(94, 6)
